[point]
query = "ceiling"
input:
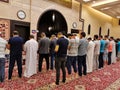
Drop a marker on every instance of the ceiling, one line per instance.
(109, 7)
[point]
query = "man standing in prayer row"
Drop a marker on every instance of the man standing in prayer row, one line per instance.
(3, 44)
(90, 55)
(72, 54)
(52, 50)
(105, 56)
(102, 49)
(118, 55)
(110, 47)
(61, 54)
(113, 56)
(82, 51)
(31, 48)
(96, 52)
(15, 44)
(44, 45)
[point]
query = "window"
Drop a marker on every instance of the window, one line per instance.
(89, 29)
(100, 30)
(108, 32)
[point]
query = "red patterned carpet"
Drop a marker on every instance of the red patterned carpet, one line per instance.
(107, 78)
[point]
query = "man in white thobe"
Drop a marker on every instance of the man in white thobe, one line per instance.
(30, 48)
(113, 56)
(90, 54)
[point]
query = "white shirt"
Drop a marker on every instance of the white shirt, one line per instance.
(97, 47)
(2, 47)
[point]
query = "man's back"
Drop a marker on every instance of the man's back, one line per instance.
(63, 45)
(102, 45)
(97, 47)
(31, 46)
(118, 46)
(82, 49)
(16, 44)
(73, 44)
(44, 45)
(52, 45)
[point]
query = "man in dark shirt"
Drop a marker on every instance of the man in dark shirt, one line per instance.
(61, 53)
(15, 44)
(52, 50)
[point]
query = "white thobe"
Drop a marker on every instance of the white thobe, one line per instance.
(113, 56)
(30, 47)
(90, 55)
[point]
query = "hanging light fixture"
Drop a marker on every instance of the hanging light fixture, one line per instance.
(53, 17)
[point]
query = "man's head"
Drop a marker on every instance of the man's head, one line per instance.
(89, 39)
(69, 35)
(106, 37)
(31, 36)
(82, 34)
(100, 37)
(60, 34)
(15, 33)
(53, 36)
(111, 38)
(95, 37)
(43, 34)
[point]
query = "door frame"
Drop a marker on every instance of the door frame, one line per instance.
(15, 22)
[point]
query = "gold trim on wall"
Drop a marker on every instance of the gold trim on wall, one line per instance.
(7, 1)
(67, 3)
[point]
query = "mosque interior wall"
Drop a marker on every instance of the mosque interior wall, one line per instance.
(35, 8)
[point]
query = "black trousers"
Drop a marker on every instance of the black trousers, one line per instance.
(60, 64)
(101, 60)
(41, 56)
(14, 58)
(109, 58)
(82, 62)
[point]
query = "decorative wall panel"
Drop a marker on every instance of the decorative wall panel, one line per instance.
(5, 28)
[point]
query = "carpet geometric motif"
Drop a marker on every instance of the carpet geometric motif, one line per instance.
(114, 86)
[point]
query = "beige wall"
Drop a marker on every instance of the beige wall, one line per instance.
(71, 15)
(38, 7)
(96, 20)
(9, 10)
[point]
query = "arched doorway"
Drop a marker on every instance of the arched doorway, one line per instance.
(52, 22)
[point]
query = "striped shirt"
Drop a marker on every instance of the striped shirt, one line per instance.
(2, 47)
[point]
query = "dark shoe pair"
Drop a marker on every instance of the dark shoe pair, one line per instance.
(57, 83)
(63, 81)
(85, 73)
(80, 74)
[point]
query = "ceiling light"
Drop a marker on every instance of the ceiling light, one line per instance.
(94, 2)
(86, 0)
(106, 8)
(118, 16)
(103, 2)
(53, 17)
